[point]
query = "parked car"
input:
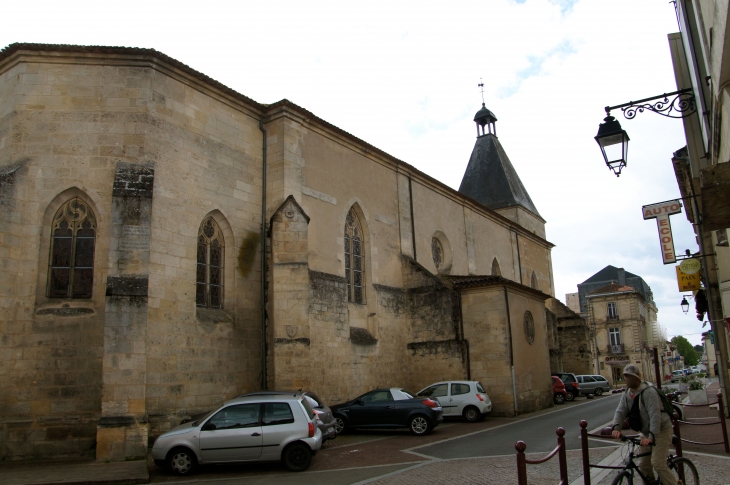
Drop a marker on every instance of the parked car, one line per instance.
(591, 385)
(460, 398)
(559, 393)
(676, 375)
(325, 420)
(571, 384)
(249, 428)
(388, 408)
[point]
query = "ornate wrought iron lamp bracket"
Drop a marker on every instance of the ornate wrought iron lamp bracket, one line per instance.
(678, 104)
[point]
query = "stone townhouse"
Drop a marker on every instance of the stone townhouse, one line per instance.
(137, 197)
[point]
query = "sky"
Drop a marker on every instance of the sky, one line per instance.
(403, 76)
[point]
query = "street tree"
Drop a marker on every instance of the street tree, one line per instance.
(686, 350)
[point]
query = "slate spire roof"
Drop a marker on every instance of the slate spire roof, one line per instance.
(490, 178)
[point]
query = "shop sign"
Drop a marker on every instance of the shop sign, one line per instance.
(618, 359)
(687, 282)
(661, 213)
(690, 266)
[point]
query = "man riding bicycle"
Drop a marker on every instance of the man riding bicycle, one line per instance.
(656, 425)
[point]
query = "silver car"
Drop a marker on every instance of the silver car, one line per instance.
(593, 385)
(249, 428)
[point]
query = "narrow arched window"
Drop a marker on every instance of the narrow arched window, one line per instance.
(209, 279)
(533, 281)
(354, 258)
(73, 240)
(495, 268)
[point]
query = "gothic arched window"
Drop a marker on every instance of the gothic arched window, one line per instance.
(209, 279)
(533, 282)
(73, 239)
(495, 268)
(354, 258)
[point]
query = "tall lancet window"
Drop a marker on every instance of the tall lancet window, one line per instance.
(533, 281)
(495, 268)
(354, 258)
(209, 283)
(73, 239)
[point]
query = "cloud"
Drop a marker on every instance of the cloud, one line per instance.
(535, 67)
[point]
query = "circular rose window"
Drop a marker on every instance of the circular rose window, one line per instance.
(529, 328)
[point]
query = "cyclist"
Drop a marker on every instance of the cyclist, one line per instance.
(656, 426)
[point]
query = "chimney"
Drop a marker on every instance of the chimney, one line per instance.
(621, 276)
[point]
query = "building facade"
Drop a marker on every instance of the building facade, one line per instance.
(168, 243)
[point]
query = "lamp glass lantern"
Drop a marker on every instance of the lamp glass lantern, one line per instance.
(614, 144)
(684, 305)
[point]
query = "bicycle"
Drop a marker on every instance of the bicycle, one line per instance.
(683, 468)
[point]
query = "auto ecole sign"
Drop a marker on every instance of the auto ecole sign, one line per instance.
(661, 213)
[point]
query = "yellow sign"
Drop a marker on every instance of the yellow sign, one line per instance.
(690, 266)
(688, 282)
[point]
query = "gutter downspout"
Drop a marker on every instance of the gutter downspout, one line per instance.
(511, 351)
(263, 258)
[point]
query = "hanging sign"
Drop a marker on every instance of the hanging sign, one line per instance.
(690, 266)
(687, 282)
(661, 213)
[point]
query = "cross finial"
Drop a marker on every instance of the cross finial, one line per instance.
(481, 86)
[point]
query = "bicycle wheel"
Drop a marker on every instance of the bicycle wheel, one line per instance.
(623, 478)
(684, 470)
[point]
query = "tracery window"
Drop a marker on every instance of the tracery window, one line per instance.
(209, 280)
(437, 251)
(495, 268)
(529, 328)
(73, 240)
(354, 258)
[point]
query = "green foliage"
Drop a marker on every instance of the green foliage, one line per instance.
(686, 350)
(701, 375)
(699, 349)
(696, 386)
(685, 379)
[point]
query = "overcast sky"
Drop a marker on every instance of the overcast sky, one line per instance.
(403, 75)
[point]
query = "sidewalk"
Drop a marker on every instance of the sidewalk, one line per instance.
(74, 473)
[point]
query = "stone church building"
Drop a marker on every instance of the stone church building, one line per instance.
(137, 197)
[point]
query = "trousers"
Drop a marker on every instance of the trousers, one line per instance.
(657, 461)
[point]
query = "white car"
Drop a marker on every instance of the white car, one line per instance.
(460, 398)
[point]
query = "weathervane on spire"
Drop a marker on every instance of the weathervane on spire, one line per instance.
(481, 86)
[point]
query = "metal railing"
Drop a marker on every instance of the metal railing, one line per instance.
(559, 450)
(587, 465)
(721, 421)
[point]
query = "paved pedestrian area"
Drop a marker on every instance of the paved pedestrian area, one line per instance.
(75, 473)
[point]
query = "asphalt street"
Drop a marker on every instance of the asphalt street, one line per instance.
(537, 432)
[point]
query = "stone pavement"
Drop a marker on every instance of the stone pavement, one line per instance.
(74, 473)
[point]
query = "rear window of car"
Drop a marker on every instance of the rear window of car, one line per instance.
(458, 389)
(318, 403)
(567, 377)
(480, 388)
(307, 408)
(599, 378)
(277, 413)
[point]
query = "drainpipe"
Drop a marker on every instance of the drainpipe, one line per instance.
(263, 258)
(511, 351)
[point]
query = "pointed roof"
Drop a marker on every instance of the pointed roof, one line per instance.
(609, 273)
(490, 178)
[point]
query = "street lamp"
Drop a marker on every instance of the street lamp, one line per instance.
(614, 143)
(684, 304)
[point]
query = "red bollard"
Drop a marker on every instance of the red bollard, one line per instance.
(721, 415)
(584, 449)
(562, 458)
(520, 446)
(678, 434)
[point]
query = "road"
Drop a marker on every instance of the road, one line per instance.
(391, 454)
(537, 432)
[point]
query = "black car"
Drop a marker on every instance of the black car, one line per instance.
(388, 408)
(571, 384)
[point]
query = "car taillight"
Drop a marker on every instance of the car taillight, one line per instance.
(430, 403)
(480, 397)
(311, 430)
(574, 384)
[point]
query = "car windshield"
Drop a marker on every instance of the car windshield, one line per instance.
(196, 423)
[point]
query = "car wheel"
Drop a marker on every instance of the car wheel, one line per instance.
(559, 399)
(340, 426)
(570, 396)
(297, 457)
(182, 461)
(419, 425)
(598, 391)
(472, 414)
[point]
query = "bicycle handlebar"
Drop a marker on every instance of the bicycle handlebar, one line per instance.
(634, 439)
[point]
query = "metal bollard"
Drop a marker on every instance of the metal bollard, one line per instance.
(584, 450)
(520, 446)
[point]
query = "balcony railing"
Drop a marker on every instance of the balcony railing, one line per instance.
(616, 349)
